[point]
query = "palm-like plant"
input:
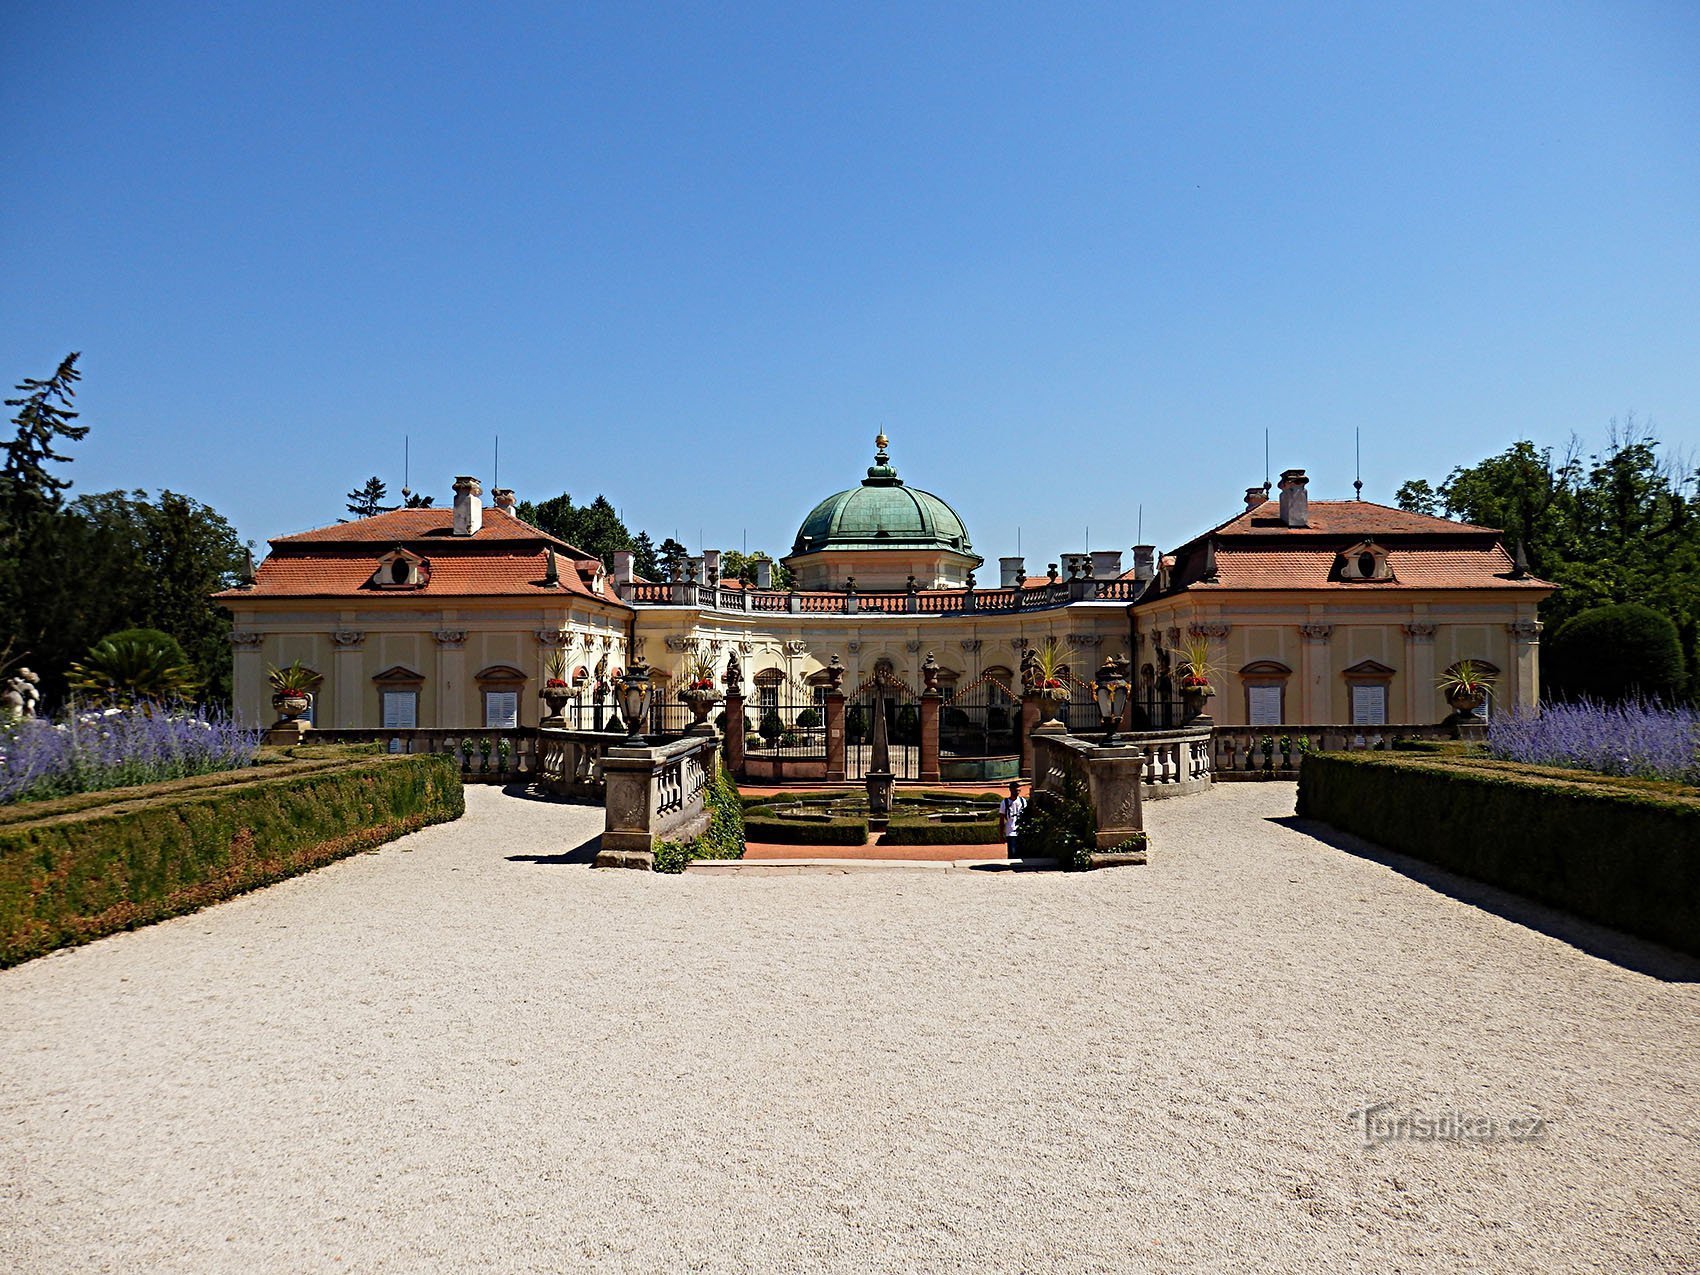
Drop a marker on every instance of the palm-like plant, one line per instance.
(696, 672)
(295, 680)
(1196, 668)
(1466, 677)
(135, 666)
(1050, 665)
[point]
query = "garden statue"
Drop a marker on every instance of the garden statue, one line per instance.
(21, 696)
(835, 673)
(1029, 669)
(930, 675)
(734, 678)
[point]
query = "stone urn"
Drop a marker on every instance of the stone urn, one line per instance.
(1194, 700)
(1051, 700)
(290, 705)
(1464, 703)
(555, 700)
(701, 701)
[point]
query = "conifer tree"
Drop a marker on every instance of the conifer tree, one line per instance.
(365, 501)
(44, 416)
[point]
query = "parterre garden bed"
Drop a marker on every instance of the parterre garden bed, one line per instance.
(80, 867)
(919, 818)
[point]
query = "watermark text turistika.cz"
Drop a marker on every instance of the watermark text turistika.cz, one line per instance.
(1381, 1123)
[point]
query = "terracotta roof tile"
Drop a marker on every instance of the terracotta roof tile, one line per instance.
(1418, 567)
(413, 526)
(1345, 518)
(457, 575)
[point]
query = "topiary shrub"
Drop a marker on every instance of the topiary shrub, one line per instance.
(856, 724)
(1612, 653)
(771, 727)
(809, 718)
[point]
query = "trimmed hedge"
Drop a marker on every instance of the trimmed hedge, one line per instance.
(910, 830)
(80, 868)
(839, 830)
(1623, 853)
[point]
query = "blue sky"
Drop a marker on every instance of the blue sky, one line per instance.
(1074, 259)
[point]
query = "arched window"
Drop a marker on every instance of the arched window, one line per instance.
(767, 684)
(398, 697)
(1265, 683)
(499, 688)
(1367, 682)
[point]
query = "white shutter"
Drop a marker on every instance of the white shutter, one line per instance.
(501, 709)
(1265, 703)
(1369, 705)
(401, 710)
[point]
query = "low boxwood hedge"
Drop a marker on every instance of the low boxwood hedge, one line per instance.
(913, 830)
(1621, 852)
(93, 864)
(837, 830)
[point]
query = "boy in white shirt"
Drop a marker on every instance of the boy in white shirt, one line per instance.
(1009, 815)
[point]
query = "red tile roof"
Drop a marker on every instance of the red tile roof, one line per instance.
(425, 526)
(1417, 567)
(1360, 518)
(450, 575)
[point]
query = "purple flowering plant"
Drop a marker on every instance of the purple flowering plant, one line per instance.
(1634, 738)
(90, 750)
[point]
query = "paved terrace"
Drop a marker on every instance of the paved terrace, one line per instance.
(467, 1052)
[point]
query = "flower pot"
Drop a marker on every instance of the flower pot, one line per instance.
(701, 704)
(1193, 701)
(555, 699)
(1051, 700)
(290, 706)
(1465, 702)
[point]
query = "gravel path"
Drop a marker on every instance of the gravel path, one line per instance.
(467, 1052)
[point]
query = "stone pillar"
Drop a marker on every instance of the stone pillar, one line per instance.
(835, 768)
(735, 733)
(1029, 720)
(1525, 679)
(930, 704)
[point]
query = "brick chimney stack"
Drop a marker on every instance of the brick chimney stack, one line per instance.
(504, 498)
(1255, 496)
(1295, 499)
(469, 509)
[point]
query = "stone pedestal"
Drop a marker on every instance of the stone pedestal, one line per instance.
(735, 734)
(931, 701)
(1029, 723)
(835, 737)
(286, 734)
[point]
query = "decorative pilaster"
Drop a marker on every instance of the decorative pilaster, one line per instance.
(1419, 670)
(1525, 661)
(1317, 699)
(351, 687)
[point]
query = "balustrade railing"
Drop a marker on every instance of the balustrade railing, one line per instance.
(572, 762)
(494, 755)
(1037, 597)
(1277, 750)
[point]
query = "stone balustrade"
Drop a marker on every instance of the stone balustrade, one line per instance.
(653, 792)
(1110, 774)
(1237, 751)
(498, 755)
(571, 761)
(718, 597)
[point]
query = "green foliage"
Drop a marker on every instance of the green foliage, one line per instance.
(413, 500)
(99, 863)
(28, 487)
(828, 830)
(771, 727)
(1624, 853)
(809, 718)
(595, 530)
(724, 836)
(645, 560)
(1060, 827)
(856, 724)
(736, 565)
(366, 500)
(906, 729)
(1613, 653)
(1616, 527)
(133, 666)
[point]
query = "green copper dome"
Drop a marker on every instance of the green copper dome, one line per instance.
(883, 513)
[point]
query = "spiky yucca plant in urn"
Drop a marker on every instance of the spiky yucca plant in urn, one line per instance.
(1197, 673)
(292, 688)
(556, 689)
(696, 689)
(1466, 686)
(1045, 676)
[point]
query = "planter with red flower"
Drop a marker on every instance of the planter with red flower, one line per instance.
(1195, 683)
(697, 692)
(556, 689)
(1047, 682)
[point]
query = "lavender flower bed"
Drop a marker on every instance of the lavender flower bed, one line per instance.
(116, 748)
(1643, 740)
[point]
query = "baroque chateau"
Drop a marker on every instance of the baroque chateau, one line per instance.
(1338, 612)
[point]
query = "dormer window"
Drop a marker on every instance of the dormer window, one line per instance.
(399, 569)
(1364, 562)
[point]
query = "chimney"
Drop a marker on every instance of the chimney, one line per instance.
(623, 571)
(764, 573)
(1107, 563)
(469, 509)
(1255, 496)
(504, 498)
(1295, 502)
(1009, 571)
(1144, 562)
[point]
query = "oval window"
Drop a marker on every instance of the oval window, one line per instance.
(1366, 565)
(399, 571)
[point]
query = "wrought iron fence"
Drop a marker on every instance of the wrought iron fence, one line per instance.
(784, 721)
(982, 719)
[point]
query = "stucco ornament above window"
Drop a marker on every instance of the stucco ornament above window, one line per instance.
(1364, 562)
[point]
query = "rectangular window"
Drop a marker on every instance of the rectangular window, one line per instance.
(1369, 705)
(769, 697)
(401, 710)
(1265, 705)
(501, 710)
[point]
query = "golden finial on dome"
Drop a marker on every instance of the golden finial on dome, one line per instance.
(881, 441)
